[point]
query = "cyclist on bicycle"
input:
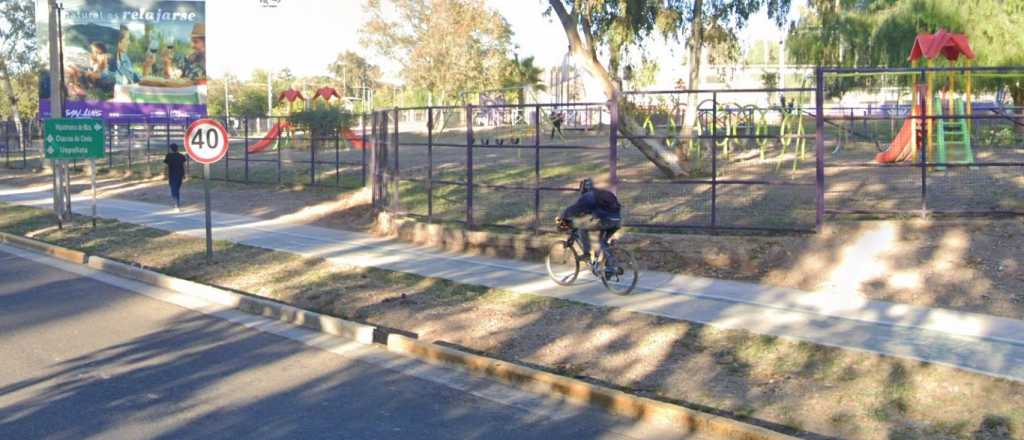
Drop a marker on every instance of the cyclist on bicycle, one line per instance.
(596, 210)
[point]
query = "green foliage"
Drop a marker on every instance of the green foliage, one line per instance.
(770, 80)
(322, 119)
(717, 21)
(352, 71)
(1001, 137)
(761, 52)
(18, 62)
(444, 46)
(249, 102)
(18, 36)
(249, 97)
(26, 96)
(643, 76)
(522, 75)
(881, 33)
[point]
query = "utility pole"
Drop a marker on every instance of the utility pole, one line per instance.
(57, 111)
(270, 92)
(227, 98)
(782, 62)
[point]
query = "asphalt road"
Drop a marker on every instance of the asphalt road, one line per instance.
(80, 358)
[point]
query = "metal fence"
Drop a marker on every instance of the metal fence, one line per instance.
(759, 159)
(15, 154)
(517, 165)
(260, 151)
(966, 156)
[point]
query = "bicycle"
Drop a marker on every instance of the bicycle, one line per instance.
(614, 266)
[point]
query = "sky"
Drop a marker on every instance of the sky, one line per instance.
(305, 35)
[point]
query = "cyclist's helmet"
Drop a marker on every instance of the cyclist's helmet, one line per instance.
(586, 185)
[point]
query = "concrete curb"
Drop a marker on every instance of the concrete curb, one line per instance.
(613, 401)
(293, 315)
(62, 253)
(610, 400)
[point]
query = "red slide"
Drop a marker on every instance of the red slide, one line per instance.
(902, 147)
(352, 138)
(271, 136)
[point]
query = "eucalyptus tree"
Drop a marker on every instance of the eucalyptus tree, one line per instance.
(612, 26)
(19, 48)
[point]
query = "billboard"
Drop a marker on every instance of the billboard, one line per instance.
(129, 60)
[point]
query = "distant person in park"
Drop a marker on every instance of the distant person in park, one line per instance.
(175, 173)
(595, 210)
(557, 118)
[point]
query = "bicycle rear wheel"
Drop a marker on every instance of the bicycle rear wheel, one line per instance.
(618, 270)
(563, 263)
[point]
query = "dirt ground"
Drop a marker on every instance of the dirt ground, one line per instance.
(822, 392)
(767, 183)
(972, 265)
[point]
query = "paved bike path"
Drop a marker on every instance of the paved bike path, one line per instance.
(981, 343)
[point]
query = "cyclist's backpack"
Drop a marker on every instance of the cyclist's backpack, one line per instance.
(607, 201)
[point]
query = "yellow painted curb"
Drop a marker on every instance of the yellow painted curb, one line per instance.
(62, 253)
(611, 400)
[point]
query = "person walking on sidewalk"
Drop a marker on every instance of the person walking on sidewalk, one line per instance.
(175, 173)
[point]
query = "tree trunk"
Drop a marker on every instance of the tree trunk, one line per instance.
(655, 151)
(1017, 95)
(696, 44)
(12, 101)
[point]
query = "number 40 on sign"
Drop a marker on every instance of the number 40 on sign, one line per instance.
(206, 141)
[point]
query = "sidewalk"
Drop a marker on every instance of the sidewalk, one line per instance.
(989, 345)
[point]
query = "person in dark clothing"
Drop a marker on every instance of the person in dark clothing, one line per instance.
(175, 173)
(595, 210)
(557, 118)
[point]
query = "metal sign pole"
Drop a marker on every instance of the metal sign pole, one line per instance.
(92, 164)
(67, 192)
(57, 198)
(206, 196)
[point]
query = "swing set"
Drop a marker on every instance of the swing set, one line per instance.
(734, 122)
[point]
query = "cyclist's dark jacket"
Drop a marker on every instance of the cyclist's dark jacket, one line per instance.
(598, 203)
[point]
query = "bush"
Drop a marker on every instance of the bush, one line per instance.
(322, 123)
(322, 120)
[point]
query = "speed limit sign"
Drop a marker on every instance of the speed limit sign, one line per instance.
(206, 141)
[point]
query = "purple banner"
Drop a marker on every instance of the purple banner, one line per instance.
(126, 111)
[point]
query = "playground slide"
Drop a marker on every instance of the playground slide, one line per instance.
(352, 138)
(272, 135)
(902, 147)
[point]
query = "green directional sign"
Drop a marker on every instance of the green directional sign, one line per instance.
(73, 139)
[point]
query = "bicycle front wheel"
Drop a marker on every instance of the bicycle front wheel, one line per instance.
(563, 263)
(618, 270)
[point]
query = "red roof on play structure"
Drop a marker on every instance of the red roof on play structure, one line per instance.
(947, 44)
(290, 95)
(327, 93)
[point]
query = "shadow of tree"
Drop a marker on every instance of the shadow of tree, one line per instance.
(181, 375)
